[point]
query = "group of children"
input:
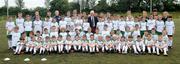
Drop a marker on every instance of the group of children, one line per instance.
(114, 33)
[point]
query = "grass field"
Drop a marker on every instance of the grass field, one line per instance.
(101, 58)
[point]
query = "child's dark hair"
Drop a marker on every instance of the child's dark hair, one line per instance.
(130, 37)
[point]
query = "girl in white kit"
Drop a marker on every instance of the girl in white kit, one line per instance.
(37, 45)
(140, 44)
(150, 24)
(143, 25)
(122, 25)
(109, 24)
(60, 44)
(47, 24)
(130, 23)
(159, 25)
(136, 32)
(85, 26)
(170, 28)
(54, 43)
(150, 44)
(131, 45)
(161, 45)
(45, 34)
(54, 31)
(15, 37)
(30, 45)
(37, 25)
(68, 43)
(77, 43)
(19, 46)
(100, 25)
(62, 23)
(78, 22)
(10, 25)
(28, 25)
(120, 44)
(100, 44)
(91, 44)
(20, 22)
(63, 33)
(84, 43)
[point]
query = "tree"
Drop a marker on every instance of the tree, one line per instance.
(61, 5)
(20, 4)
(47, 4)
(7, 8)
(102, 6)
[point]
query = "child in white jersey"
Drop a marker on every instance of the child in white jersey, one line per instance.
(10, 25)
(28, 25)
(161, 45)
(170, 28)
(20, 22)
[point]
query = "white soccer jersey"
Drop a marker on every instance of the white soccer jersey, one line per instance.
(161, 43)
(135, 34)
(137, 23)
(122, 25)
(130, 43)
(54, 34)
(10, 26)
(78, 23)
(68, 42)
(37, 25)
(165, 38)
(143, 26)
(100, 26)
(15, 38)
(110, 25)
(96, 36)
(28, 25)
(155, 37)
(88, 35)
(63, 34)
(47, 24)
(54, 24)
(86, 26)
(127, 34)
(20, 24)
(115, 24)
(160, 26)
(140, 43)
(151, 24)
(70, 26)
(170, 27)
(62, 24)
(72, 34)
(44, 35)
(130, 24)
(149, 42)
(105, 33)
(67, 19)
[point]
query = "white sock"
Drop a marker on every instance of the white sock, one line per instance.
(149, 49)
(157, 51)
(20, 48)
(165, 51)
(153, 47)
(61, 49)
(79, 47)
(27, 49)
(55, 48)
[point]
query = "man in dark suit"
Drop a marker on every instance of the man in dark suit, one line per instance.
(92, 19)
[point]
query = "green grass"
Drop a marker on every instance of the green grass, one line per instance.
(101, 58)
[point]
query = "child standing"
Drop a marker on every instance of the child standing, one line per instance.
(10, 25)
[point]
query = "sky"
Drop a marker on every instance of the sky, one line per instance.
(28, 3)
